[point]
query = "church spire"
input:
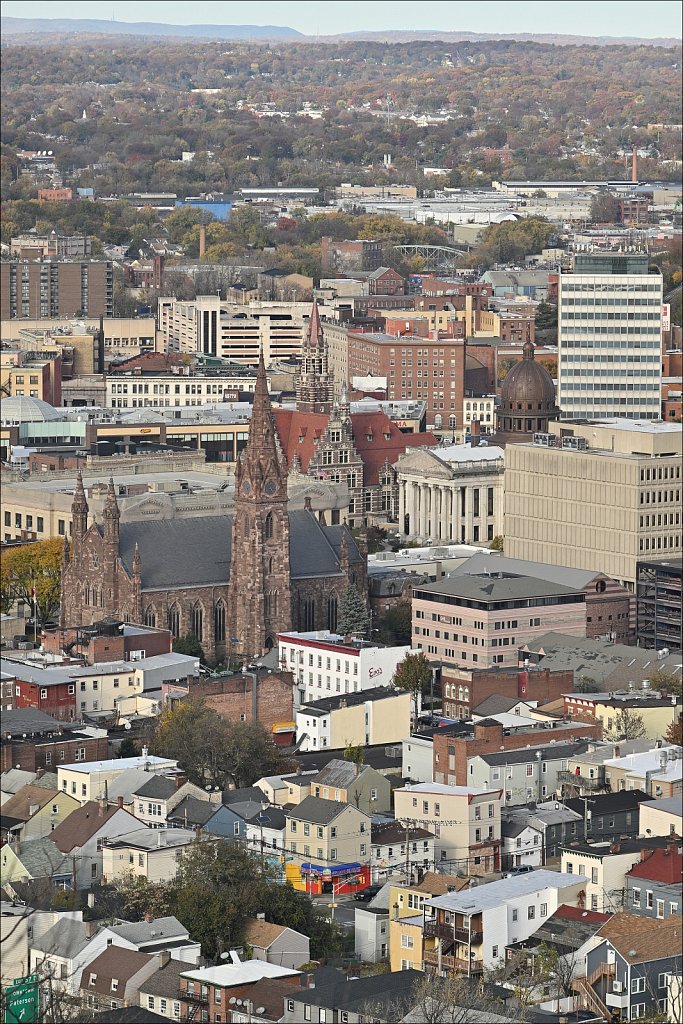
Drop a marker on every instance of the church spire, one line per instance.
(111, 514)
(261, 472)
(79, 509)
(314, 384)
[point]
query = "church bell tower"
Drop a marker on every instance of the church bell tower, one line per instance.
(260, 597)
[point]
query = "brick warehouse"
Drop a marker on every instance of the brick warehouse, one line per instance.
(177, 574)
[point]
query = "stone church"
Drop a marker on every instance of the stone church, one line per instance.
(233, 580)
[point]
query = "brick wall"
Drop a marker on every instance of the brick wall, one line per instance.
(451, 753)
(231, 697)
(536, 685)
(47, 754)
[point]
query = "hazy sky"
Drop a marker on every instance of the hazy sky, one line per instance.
(590, 18)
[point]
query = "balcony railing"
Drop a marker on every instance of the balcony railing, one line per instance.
(440, 930)
(194, 997)
(452, 963)
(582, 781)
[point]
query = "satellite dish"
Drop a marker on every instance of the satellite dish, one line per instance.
(126, 725)
(260, 1009)
(232, 1000)
(239, 1002)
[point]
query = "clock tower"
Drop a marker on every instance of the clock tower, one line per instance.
(260, 595)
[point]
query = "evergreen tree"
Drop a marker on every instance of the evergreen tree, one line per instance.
(353, 619)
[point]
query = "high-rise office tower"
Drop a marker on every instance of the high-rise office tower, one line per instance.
(610, 337)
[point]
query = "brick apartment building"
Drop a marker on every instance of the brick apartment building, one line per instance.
(234, 699)
(51, 289)
(451, 752)
(345, 255)
(419, 369)
(464, 689)
(33, 741)
(109, 640)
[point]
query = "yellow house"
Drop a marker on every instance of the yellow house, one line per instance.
(37, 811)
(37, 858)
(406, 942)
(657, 713)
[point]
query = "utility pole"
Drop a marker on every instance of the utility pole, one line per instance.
(586, 802)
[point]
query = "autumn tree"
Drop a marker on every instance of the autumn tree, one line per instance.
(664, 678)
(628, 725)
(414, 675)
(29, 566)
(212, 751)
(674, 733)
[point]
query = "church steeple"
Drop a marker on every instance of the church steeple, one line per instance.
(79, 510)
(314, 384)
(260, 598)
(111, 515)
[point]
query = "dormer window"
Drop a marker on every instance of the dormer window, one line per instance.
(93, 979)
(369, 437)
(114, 984)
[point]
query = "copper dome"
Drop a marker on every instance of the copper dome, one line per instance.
(527, 397)
(528, 381)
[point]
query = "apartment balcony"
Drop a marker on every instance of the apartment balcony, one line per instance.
(582, 781)
(440, 930)
(455, 964)
(194, 997)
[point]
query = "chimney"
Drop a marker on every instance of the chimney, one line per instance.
(119, 801)
(198, 831)
(180, 780)
(357, 768)
(614, 847)
(164, 957)
(307, 504)
(671, 848)
(40, 772)
(475, 433)
(634, 164)
(100, 808)
(202, 240)
(90, 927)
(149, 917)
(644, 854)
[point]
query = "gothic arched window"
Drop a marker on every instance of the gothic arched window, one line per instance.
(86, 594)
(174, 620)
(150, 617)
(270, 566)
(309, 614)
(271, 603)
(332, 612)
(219, 621)
(268, 527)
(198, 621)
(94, 597)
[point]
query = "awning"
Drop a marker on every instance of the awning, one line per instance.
(338, 869)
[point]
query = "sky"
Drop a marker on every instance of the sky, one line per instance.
(586, 17)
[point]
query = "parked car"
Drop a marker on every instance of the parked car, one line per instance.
(365, 895)
(521, 869)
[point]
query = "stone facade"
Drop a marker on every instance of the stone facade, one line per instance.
(233, 582)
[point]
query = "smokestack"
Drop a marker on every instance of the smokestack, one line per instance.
(202, 240)
(119, 801)
(475, 433)
(634, 164)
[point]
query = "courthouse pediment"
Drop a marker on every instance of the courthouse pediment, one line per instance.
(423, 463)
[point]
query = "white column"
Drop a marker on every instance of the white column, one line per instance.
(401, 505)
(467, 518)
(444, 514)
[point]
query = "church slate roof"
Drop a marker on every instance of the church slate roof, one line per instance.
(196, 552)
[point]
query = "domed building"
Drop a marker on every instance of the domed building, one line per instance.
(24, 409)
(527, 399)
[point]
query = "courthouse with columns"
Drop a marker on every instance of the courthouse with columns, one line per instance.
(452, 494)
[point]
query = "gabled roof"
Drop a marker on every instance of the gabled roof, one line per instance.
(338, 773)
(66, 938)
(157, 788)
(150, 932)
(664, 866)
(606, 803)
(83, 823)
(164, 982)
(262, 933)
(378, 990)
(436, 884)
(114, 962)
(317, 811)
(41, 859)
(24, 804)
(643, 939)
(193, 811)
(496, 704)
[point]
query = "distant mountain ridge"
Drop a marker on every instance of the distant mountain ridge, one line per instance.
(97, 26)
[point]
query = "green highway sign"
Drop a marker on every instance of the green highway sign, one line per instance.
(22, 1001)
